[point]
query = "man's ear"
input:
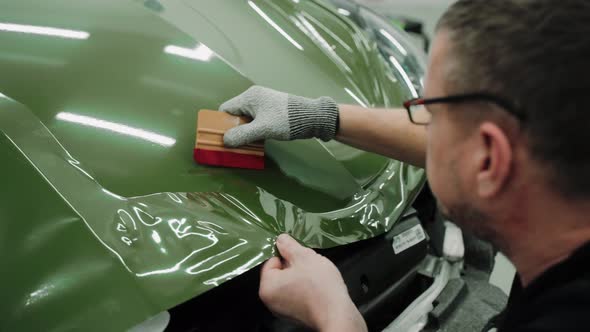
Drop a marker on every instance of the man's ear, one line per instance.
(495, 159)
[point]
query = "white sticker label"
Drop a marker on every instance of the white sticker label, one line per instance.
(408, 238)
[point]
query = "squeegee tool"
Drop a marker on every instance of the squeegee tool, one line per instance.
(209, 148)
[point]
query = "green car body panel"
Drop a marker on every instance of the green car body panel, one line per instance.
(105, 220)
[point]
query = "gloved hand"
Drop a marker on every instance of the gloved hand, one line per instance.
(280, 116)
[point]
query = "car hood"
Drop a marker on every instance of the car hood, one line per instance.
(104, 209)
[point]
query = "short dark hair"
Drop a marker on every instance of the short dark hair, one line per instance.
(536, 53)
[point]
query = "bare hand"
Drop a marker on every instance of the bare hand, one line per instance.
(308, 288)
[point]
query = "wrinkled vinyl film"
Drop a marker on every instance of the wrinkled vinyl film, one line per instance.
(153, 252)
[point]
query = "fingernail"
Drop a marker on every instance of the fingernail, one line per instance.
(282, 238)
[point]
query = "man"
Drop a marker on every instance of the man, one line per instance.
(506, 149)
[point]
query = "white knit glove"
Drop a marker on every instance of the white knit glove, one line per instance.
(278, 115)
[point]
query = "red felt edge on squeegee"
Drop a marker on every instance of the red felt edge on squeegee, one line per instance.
(228, 159)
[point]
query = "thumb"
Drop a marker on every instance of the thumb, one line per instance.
(289, 248)
(274, 263)
(243, 134)
(233, 106)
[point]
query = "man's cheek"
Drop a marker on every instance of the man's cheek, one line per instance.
(432, 162)
(435, 166)
(444, 211)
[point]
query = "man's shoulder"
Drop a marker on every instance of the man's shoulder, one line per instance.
(561, 307)
(572, 294)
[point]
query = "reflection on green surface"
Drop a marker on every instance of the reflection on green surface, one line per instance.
(162, 249)
(103, 209)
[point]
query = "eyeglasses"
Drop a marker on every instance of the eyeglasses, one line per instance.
(421, 116)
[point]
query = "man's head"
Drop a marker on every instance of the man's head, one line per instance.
(483, 160)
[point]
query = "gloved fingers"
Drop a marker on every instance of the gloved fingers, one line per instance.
(244, 134)
(234, 106)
